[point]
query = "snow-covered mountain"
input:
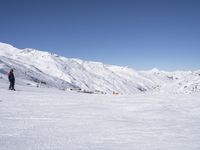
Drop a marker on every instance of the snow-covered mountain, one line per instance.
(33, 67)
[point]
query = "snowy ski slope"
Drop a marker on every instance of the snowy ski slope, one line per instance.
(155, 110)
(50, 119)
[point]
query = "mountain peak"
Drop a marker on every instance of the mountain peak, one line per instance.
(7, 49)
(155, 70)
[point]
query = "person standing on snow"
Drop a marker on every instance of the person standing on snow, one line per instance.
(11, 79)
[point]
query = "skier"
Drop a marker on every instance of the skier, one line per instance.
(11, 79)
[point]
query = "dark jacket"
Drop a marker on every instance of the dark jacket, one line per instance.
(11, 76)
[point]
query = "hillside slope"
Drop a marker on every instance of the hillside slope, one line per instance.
(33, 66)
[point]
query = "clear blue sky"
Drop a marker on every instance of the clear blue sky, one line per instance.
(141, 34)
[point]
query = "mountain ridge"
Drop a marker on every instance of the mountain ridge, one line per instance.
(33, 66)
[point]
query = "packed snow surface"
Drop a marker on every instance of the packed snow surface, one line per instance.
(50, 119)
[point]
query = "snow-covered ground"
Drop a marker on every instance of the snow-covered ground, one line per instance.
(50, 119)
(155, 110)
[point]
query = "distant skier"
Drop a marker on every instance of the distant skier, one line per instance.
(11, 79)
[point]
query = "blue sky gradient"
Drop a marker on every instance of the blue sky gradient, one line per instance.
(141, 34)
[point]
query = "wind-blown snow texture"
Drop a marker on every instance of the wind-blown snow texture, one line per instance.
(50, 119)
(32, 66)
